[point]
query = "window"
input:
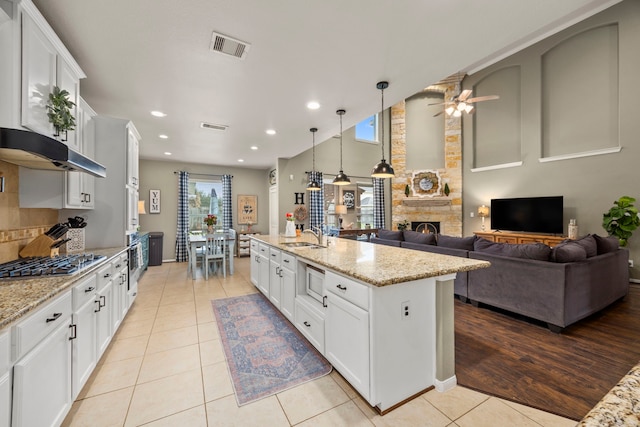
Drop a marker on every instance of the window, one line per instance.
(361, 211)
(367, 130)
(205, 197)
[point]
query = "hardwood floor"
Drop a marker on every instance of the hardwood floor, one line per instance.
(522, 361)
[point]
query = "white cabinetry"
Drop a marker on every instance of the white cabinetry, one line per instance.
(133, 142)
(104, 307)
(42, 375)
(288, 285)
(120, 281)
(5, 380)
(116, 202)
(84, 351)
(45, 63)
(275, 285)
(260, 267)
(80, 186)
(347, 330)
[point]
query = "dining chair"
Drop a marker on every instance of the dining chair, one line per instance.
(199, 255)
(215, 252)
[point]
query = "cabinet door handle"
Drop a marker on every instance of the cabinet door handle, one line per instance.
(277, 271)
(89, 289)
(280, 273)
(103, 301)
(324, 301)
(107, 275)
(87, 198)
(342, 288)
(287, 261)
(307, 324)
(54, 317)
(118, 265)
(98, 309)
(74, 332)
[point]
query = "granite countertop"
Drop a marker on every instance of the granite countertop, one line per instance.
(620, 406)
(378, 265)
(18, 297)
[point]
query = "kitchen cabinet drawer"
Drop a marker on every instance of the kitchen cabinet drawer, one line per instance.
(104, 275)
(350, 290)
(274, 255)
(263, 250)
(84, 291)
(310, 324)
(43, 322)
(254, 245)
(120, 263)
(288, 261)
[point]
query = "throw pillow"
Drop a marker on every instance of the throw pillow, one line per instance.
(606, 244)
(390, 235)
(465, 243)
(536, 251)
(423, 238)
(568, 252)
(589, 245)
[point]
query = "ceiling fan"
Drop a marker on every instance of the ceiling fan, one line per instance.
(462, 102)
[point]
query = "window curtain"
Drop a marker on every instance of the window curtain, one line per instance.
(316, 202)
(378, 202)
(183, 217)
(227, 205)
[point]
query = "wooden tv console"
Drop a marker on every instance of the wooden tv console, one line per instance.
(519, 238)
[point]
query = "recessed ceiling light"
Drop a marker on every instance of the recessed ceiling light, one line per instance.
(158, 114)
(313, 105)
(163, 136)
(166, 153)
(253, 147)
(270, 131)
(240, 160)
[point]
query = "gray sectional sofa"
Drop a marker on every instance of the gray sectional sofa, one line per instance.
(558, 286)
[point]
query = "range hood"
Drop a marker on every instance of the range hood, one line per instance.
(36, 151)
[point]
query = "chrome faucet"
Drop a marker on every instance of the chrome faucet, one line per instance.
(317, 234)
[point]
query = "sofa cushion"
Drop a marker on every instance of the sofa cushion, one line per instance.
(589, 244)
(415, 237)
(390, 235)
(465, 243)
(606, 244)
(537, 251)
(568, 252)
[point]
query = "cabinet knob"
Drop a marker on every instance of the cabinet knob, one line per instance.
(307, 324)
(342, 288)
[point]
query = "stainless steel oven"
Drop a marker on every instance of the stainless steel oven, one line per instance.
(136, 263)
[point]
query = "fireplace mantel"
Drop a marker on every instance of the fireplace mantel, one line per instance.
(417, 202)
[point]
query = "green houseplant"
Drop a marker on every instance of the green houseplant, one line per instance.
(59, 111)
(404, 225)
(622, 219)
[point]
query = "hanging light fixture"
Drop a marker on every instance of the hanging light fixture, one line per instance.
(382, 169)
(313, 184)
(341, 178)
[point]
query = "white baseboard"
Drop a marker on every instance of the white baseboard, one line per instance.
(447, 384)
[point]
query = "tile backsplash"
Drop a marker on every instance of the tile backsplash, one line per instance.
(18, 226)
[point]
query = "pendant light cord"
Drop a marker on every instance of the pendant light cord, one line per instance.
(341, 142)
(382, 120)
(313, 140)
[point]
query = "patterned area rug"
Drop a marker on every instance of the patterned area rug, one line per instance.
(265, 353)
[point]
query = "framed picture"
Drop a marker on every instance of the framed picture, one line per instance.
(272, 177)
(154, 201)
(247, 209)
(426, 183)
(349, 199)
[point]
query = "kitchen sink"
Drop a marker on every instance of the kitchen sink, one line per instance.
(302, 244)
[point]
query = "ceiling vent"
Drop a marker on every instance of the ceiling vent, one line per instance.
(229, 46)
(206, 125)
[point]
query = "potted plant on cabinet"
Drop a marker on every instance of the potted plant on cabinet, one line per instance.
(59, 111)
(622, 219)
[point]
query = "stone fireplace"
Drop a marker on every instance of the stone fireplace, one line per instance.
(428, 229)
(446, 210)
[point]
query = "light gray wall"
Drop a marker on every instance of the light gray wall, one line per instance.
(358, 159)
(159, 175)
(589, 184)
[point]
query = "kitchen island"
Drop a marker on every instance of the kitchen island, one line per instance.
(383, 316)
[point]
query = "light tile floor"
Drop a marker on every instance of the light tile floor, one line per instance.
(166, 367)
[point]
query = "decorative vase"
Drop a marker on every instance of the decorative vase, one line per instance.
(573, 229)
(290, 230)
(209, 229)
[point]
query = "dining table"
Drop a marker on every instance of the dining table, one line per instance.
(198, 240)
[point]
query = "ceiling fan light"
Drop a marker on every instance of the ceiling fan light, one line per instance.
(450, 110)
(468, 109)
(457, 113)
(341, 179)
(461, 106)
(383, 170)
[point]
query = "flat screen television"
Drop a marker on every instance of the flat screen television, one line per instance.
(531, 214)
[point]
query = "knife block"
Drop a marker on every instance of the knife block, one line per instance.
(40, 246)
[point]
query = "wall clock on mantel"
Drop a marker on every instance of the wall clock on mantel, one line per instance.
(426, 183)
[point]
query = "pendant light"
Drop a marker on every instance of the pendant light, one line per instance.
(313, 184)
(382, 169)
(341, 178)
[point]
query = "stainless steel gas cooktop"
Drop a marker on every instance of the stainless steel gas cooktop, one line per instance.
(48, 266)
